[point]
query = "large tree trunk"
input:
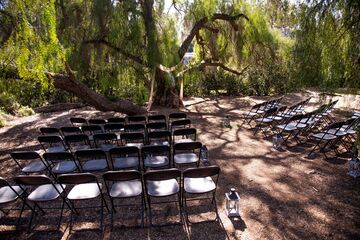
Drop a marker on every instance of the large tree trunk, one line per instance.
(100, 102)
(164, 92)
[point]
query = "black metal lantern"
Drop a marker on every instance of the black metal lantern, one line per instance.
(354, 167)
(227, 121)
(232, 203)
(204, 155)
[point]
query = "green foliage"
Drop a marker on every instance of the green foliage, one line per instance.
(8, 103)
(25, 111)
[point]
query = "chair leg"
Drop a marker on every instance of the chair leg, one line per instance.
(102, 214)
(149, 212)
(180, 208)
(317, 144)
(61, 214)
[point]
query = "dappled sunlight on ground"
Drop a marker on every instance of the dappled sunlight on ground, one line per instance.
(283, 194)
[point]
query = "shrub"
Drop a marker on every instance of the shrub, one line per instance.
(8, 103)
(25, 111)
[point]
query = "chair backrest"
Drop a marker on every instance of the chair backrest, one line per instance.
(124, 151)
(181, 123)
(155, 150)
(90, 154)
(78, 121)
(50, 139)
(25, 155)
(159, 175)
(270, 111)
(187, 146)
(77, 138)
(97, 121)
(336, 125)
(91, 129)
(164, 134)
(105, 138)
(134, 128)
(32, 180)
(58, 156)
(177, 115)
(201, 172)
(70, 130)
(114, 127)
(156, 118)
(156, 126)
(122, 175)
(132, 137)
(185, 132)
(116, 120)
(76, 178)
(49, 131)
(136, 119)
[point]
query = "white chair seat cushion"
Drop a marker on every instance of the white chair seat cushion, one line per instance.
(184, 158)
(249, 114)
(287, 127)
(84, 191)
(184, 140)
(275, 118)
(138, 145)
(46, 192)
(7, 194)
(162, 188)
(336, 132)
(36, 166)
(300, 125)
(160, 143)
(94, 165)
(56, 149)
(126, 189)
(199, 185)
(125, 162)
(156, 161)
(265, 120)
(79, 147)
(324, 136)
(106, 147)
(64, 167)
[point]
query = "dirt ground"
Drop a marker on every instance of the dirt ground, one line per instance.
(284, 195)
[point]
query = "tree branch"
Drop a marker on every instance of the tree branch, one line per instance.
(116, 48)
(202, 22)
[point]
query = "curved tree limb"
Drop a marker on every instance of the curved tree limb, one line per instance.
(201, 24)
(125, 53)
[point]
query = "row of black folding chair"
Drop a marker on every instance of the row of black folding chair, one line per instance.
(35, 190)
(110, 139)
(124, 157)
(79, 121)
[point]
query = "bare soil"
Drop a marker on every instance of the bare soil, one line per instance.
(284, 195)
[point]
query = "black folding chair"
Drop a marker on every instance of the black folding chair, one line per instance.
(184, 135)
(85, 186)
(125, 157)
(183, 123)
(70, 130)
(140, 128)
(124, 185)
(136, 119)
(156, 118)
(155, 156)
(162, 184)
(90, 130)
(159, 138)
(116, 120)
(116, 128)
(329, 135)
(254, 112)
(186, 153)
(133, 139)
(265, 121)
(156, 126)
(61, 162)
(50, 131)
(46, 191)
(92, 160)
(97, 121)
(78, 121)
(77, 142)
(9, 194)
(29, 162)
(176, 116)
(52, 143)
(106, 141)
(200, 181)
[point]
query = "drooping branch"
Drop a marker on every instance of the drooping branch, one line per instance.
(205, 64)
(125, 53)
(202, 23)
